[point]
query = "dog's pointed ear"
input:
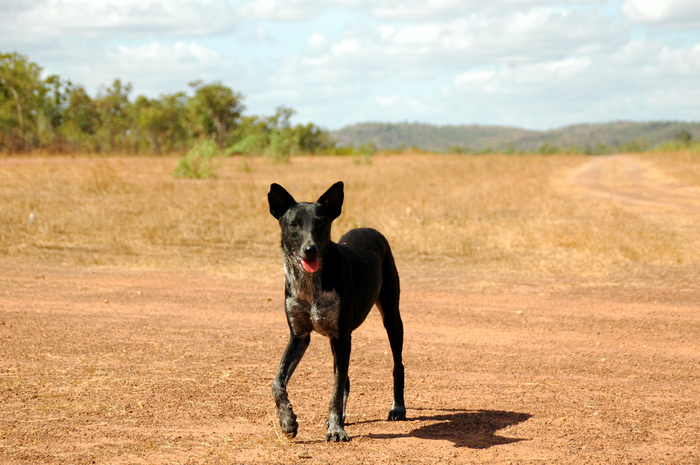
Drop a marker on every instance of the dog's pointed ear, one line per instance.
(332, 200)
(280, 200)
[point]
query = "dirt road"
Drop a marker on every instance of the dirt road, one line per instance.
(103, 365)
(635, 185)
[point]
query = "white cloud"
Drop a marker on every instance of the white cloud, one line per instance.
(94, 42)
(417, 51)
(109, 18)
(316, 41)
(154, 68)
(261, 34)
(636, 54)
(412, 10)
(9, 5)
(426, 67)
(642, 81)
(276, 10)
(556, 76)
(671, 14)
(391, 10)
(569, 68)
(471, 79)
(535, 63)
(658, 64)
(347, 46)
(387, 101)
(680, 62)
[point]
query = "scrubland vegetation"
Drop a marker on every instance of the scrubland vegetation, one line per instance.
(55, 115)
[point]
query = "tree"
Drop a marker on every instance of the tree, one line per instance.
(310, 138)
(276, 136)
(216, 110)
(82, 111)
(684, 137)
(251, 136)
(282, 144)
(162, 122)
(56, 101)
(21, 101)
(114, 111)
(79, 119)
(178, 134)
(150, 121)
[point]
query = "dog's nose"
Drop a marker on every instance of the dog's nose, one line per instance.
(310, 250)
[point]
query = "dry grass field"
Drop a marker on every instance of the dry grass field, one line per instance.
(489, 213)
(683, 166)
(551, 306)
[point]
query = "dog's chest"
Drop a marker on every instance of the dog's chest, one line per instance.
(312, 308)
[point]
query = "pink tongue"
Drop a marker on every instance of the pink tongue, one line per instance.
(310, 266)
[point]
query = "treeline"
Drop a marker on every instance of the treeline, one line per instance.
(682, 140)
(52, 114)
(57, 115)
(589, 139)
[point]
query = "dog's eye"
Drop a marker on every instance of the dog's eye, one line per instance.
(294, 225)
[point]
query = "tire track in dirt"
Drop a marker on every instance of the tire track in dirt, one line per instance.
(635, 185)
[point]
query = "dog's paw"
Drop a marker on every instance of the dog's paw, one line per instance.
(288, 422)
(292, 432)
(328, 422)
(337, 434)
(290, 429)
(397, 414)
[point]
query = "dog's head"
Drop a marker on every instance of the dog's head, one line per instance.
(306, 226)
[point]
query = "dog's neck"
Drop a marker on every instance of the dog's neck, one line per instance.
(302, 285)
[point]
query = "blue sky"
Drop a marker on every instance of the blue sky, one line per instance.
(529, 63)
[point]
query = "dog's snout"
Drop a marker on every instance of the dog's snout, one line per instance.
(311, 251)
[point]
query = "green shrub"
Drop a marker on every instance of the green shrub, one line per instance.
(200, 162)
(458, 149)
(251, 144)
(281, 147)
(548, 148)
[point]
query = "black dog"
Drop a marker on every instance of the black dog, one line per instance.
(330, 288)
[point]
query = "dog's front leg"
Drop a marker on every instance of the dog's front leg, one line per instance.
(336, 415)
(290, 359)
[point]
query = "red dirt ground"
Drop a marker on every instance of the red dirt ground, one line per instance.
(128, 366)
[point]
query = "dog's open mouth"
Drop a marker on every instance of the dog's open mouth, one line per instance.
(310, 266)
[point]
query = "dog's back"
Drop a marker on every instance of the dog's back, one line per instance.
(367, 273)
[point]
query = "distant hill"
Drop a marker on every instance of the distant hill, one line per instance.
(584, 138)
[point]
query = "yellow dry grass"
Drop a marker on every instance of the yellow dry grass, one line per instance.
(492, 213)
(682, 165)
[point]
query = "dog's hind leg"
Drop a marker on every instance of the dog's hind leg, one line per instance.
(388, 305)
(290, 359)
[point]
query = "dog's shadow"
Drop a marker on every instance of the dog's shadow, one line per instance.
(474, 429)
